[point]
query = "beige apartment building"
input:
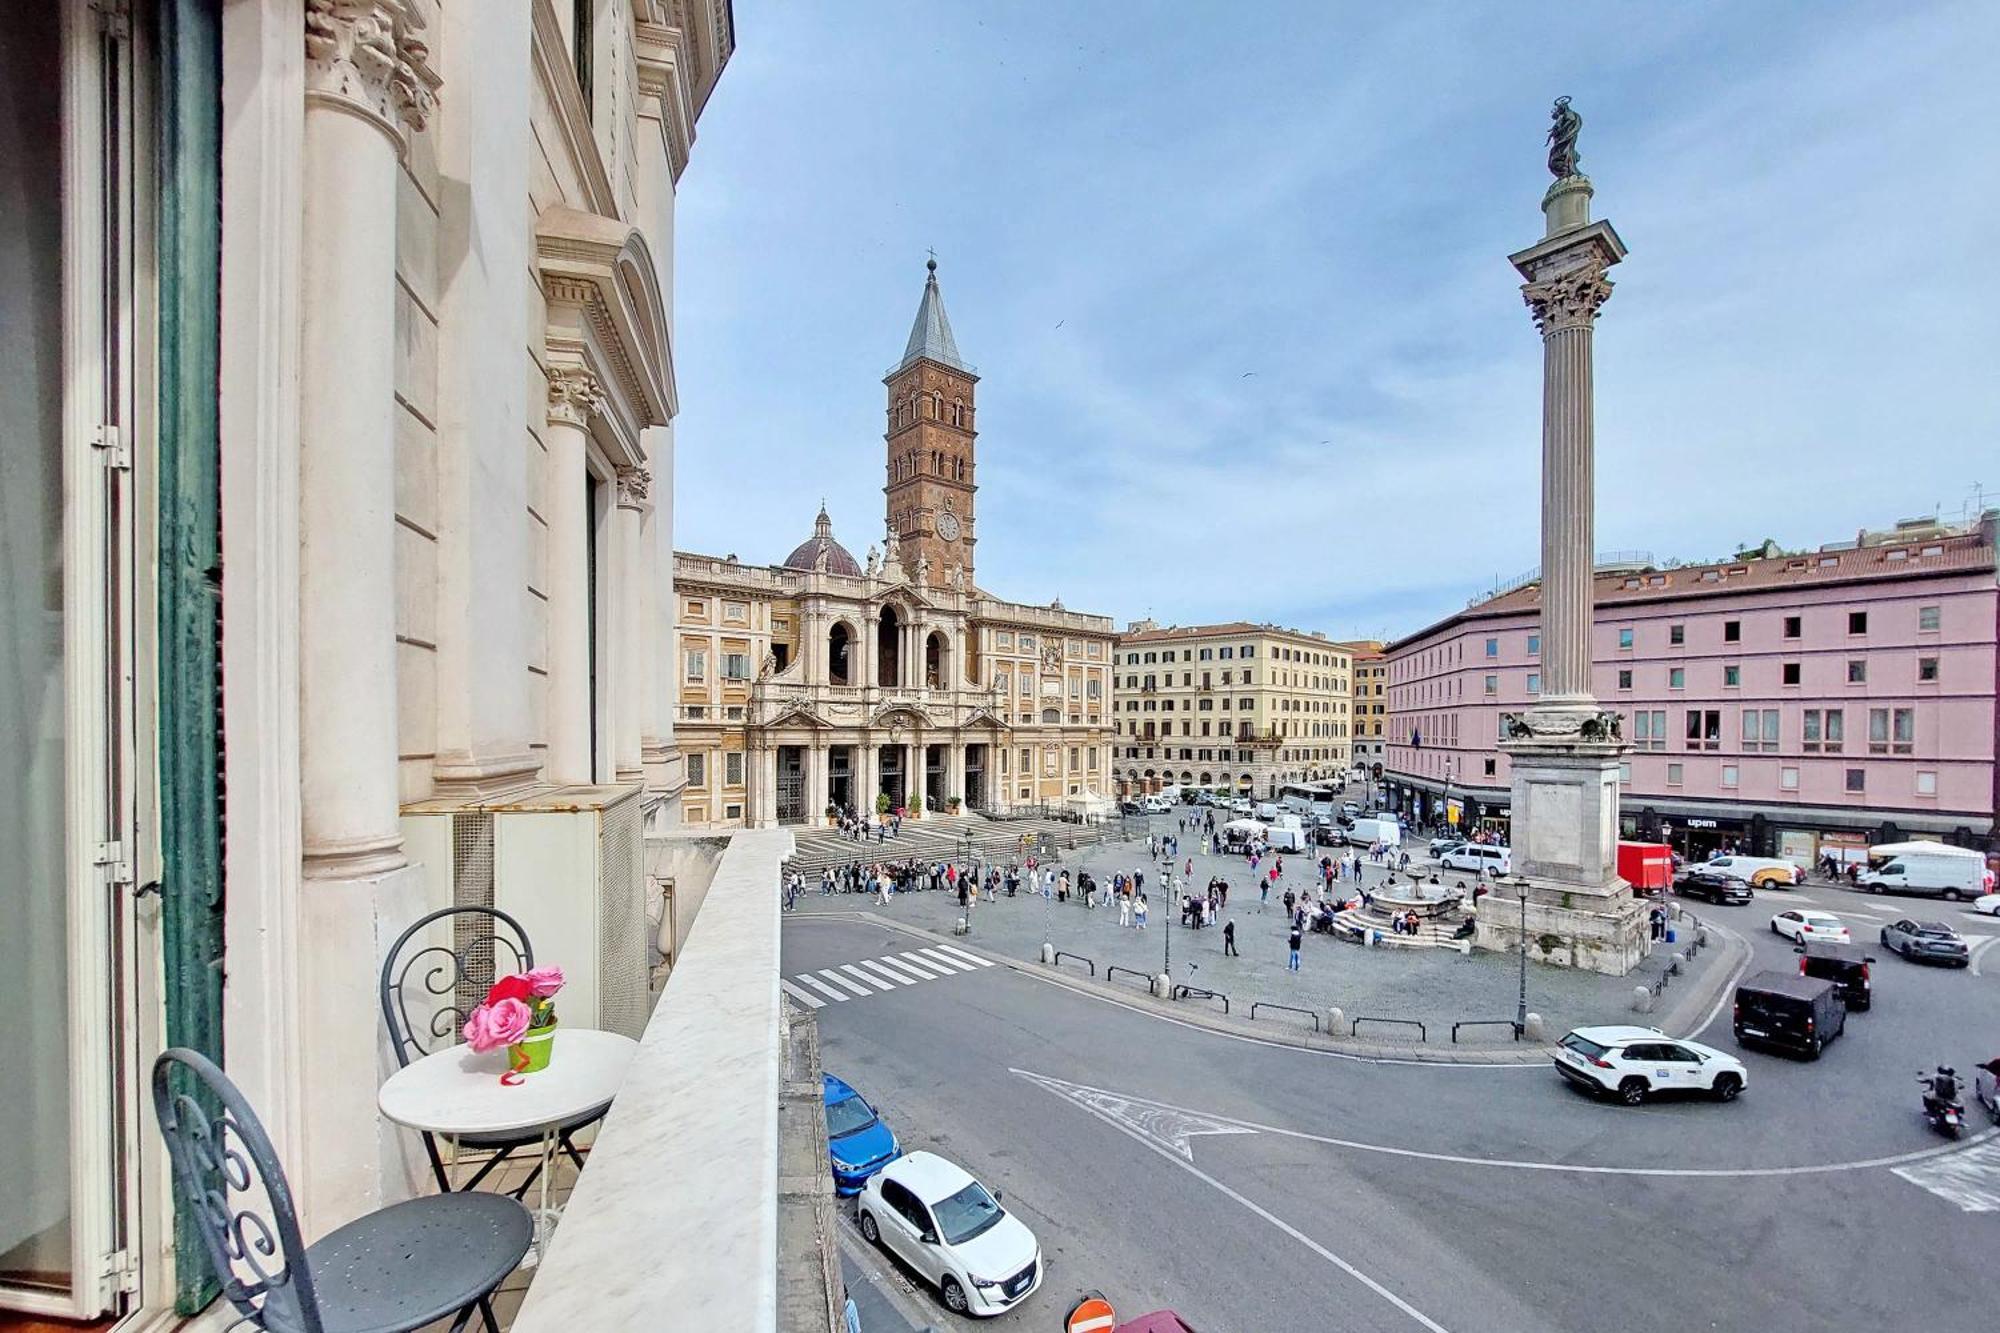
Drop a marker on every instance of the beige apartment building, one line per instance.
(1241, 707)
(1371, 698)
(826, 682)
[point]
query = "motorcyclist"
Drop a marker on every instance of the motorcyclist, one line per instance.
(1942, 1090)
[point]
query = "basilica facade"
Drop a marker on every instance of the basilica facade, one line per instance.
(829, 683)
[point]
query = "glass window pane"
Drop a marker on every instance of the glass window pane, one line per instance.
(34, 948)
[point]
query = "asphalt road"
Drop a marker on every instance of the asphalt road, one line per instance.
(1254, 1186)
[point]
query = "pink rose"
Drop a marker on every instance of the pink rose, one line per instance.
(499, 1024)
(544, 981)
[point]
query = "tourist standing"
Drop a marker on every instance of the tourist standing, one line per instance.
(1292, 942)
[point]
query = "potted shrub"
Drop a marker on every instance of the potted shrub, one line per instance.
(832, 815)
(952, 803)
(882, 803)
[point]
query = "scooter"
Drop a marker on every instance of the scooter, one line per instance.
(1945, 1114)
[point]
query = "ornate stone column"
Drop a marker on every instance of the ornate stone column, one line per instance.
(367, 83)
(629, 578)
(573, 395)
(867, 779)
(1565, 750)
(817, 773)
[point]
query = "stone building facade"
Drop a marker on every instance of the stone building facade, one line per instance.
(1371, 700)
(1239, 707)
(824, 682)
(1783, 703)
(336, 417)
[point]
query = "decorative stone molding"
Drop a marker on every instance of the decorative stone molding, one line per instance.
(1562, 724)
(574, 395)
(1569, 299)
(634, 484)
(364, 56)
(605, 313)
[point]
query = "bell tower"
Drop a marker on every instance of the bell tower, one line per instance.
(930, 434)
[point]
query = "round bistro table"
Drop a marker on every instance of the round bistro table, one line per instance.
(457, 1091)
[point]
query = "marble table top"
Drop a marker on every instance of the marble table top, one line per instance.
(458, 1090)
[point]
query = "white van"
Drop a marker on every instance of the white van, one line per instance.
(1156, 805)
(1928, 869)
(1479, 858)
(1286, 839)
(1367, 832)
(1267, 811)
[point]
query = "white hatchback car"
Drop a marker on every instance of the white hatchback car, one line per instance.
(1634, 1063)
(935, 1217)
(1805, 927)
(1988, 903)
(1762, 872)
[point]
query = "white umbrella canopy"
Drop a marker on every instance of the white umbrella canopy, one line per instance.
(1249, 828)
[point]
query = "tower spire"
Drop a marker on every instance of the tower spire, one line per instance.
(931, 336)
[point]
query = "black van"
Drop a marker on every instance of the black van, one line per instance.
(1842, 964)
(1790, 1012)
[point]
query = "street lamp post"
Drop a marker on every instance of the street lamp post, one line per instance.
(1167, 911)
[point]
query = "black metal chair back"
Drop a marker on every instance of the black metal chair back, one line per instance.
(222, 1161)
(427, 995)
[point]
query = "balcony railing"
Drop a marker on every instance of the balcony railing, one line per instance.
(674, 1221)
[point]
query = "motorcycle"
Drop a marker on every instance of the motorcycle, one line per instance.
(1943, 1111)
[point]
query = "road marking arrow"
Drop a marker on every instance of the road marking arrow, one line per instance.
(1168, 1126)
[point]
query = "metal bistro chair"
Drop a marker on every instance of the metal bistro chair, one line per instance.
(426, 997)
(391, 1271)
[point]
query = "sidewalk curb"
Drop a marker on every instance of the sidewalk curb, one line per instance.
(1688, 1014)
(1145, 1003)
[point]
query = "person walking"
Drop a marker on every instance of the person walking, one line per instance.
(1124, 909)
(1292, 942)
(1229, 940)
(1263, 895)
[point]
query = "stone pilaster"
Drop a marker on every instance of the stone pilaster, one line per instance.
(367, 83)
(574, 394)
(628, 581)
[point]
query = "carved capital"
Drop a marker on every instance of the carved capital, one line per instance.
(1569, 299)
(634, 484)
(365, 56)
(574, 394)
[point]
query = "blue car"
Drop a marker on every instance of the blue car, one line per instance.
(858, 1144)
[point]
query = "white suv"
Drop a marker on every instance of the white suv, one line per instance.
(1633, 1063)
(935, 1217)
(1479, 858)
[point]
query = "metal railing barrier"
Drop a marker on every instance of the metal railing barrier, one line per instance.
(1255, 1005)
(1197, 993)
(1060, 955)
(1114, 970)
(1355, 1027)
(1507, 1023)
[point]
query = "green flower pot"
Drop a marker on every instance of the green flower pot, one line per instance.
(536, 1045)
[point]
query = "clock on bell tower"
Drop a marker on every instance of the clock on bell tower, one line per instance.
(930, 435)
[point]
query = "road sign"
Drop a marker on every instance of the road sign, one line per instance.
(1092, 1314)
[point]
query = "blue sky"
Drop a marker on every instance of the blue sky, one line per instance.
(1235, 279)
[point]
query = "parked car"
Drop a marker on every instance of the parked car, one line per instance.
(1790, 1012)
(1634, 1063)
(1927, 941)
(1801, 926)
(1763, 872)
(1350, 809)
(858, 1143)
(1845, 966)
(935, 1217)
(1717, 886)
(1478, 858)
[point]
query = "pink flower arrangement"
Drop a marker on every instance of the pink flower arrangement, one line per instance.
(513, 1005)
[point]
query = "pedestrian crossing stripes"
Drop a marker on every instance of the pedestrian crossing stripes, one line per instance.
(1969, 1179)
(876, 976)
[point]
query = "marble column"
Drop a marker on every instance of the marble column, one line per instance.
(366, 86)
(817, 773)
(628, 519)
(484, 704)
(573, 395)
(867, 778)
(1564, 751)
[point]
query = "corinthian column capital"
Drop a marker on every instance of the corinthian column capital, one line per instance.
(634, 484)
(574, 394)
(1569, 299)
(365, 57)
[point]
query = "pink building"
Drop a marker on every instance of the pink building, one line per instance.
(1782, 703)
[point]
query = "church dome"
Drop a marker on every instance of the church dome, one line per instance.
(807, 556)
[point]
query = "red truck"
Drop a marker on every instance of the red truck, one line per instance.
(1646, 866)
